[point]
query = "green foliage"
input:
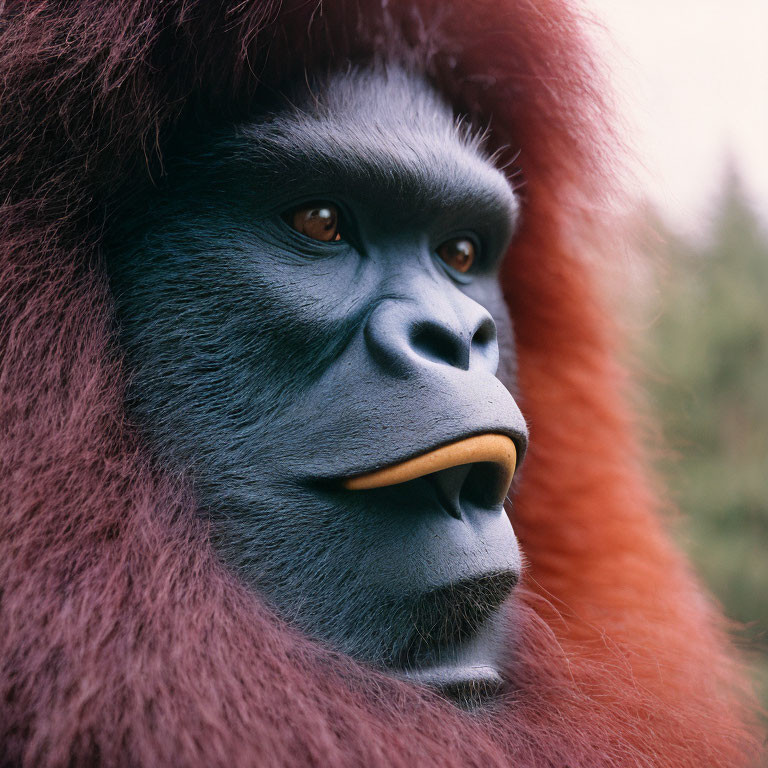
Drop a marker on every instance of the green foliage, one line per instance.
(709, 363)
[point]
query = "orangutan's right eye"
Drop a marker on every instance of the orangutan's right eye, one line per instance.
(317, 220)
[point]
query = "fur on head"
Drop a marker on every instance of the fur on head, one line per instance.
(124, 640)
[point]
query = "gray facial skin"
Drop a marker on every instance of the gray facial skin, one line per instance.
(269, 366)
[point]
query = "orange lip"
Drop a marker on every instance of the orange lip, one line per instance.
(493, 448)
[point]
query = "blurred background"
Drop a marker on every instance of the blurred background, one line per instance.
(692, 83)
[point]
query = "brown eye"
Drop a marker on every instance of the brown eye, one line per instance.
(459, 253)
(320, 221)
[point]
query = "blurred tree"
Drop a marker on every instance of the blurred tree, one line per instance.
(709, 385)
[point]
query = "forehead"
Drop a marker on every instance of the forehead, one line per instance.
(387, 128)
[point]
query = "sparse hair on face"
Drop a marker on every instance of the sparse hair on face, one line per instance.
(126, 640)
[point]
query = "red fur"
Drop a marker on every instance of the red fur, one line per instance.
(123, 641)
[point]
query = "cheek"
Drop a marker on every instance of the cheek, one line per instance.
(300, 311)
(301, 295)
(217, 327)
(234, 287)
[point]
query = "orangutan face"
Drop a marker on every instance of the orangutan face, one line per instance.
(311, 311)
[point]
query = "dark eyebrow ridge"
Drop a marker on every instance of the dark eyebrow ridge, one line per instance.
(427, 169)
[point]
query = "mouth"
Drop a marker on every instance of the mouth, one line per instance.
(453, 628)
(484, 463)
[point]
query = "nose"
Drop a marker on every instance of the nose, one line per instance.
(406, 334)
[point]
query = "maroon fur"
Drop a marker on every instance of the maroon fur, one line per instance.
(123, 641)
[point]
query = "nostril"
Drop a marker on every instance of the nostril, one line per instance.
(439, 344)
(485, 333)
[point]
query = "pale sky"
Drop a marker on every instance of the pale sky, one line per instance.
(692, 81)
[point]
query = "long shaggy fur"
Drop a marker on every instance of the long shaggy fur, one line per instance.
(123, 641)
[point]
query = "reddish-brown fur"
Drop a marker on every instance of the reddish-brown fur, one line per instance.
(123, 641)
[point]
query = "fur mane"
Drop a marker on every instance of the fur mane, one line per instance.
(123, 640)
